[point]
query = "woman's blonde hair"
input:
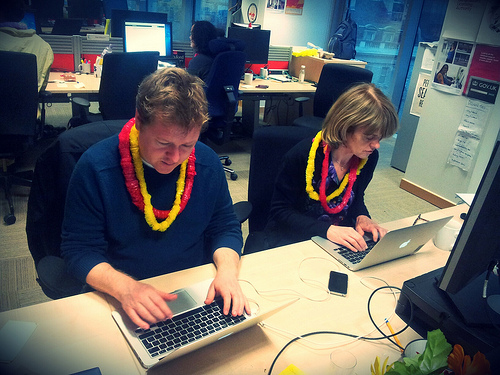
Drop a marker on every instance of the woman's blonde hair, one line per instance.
(174, 96)
(362, 106)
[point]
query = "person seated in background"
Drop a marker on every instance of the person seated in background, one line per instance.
(135, 210)
(320, 188)
(202, 32)
(14, 36)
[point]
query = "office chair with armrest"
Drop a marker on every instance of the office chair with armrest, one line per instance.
(122, 72)
(270, 144)
(333, 81)
(18, 112)
(222, 92)
(46, 204)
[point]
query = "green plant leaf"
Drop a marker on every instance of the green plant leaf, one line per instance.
(432, 361)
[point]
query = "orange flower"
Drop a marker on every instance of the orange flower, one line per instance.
(461, 364)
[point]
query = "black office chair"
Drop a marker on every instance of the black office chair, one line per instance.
(18, 126)
(222, 92)
(270, 144)
(122, 72)
(46, 204)
(333, 81)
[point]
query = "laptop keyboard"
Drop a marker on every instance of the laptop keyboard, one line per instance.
(186, 328)
(355, 257)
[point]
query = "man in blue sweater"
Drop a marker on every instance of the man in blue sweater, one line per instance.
(154, 200)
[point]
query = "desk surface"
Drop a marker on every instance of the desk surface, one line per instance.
(85, 84)
(78, 333)
(276, 87)
(90, 83)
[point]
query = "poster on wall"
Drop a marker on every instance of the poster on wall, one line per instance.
(483, 80)
(276, 6)
(452, 63)
(420, 93)
(294, 7)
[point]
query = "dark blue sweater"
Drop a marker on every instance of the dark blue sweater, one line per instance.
(101, 224)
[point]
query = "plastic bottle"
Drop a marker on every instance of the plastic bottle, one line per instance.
(106, 50)
(302, 74)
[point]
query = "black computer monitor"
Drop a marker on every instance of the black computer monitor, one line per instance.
(478, 243)
(85, 9)
(109, 5)
(451, 298)
(48, 9)
(119, 16)
(148, 36)
(256, 43)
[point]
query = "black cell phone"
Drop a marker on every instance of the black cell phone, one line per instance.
(338, 283)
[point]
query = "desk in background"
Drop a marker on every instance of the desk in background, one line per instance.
(251, 95)
(86, 86)
(78, 333)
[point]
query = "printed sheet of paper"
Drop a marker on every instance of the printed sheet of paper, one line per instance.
(469, 134)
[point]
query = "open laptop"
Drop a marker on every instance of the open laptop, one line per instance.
(395, 244)
(196, 333)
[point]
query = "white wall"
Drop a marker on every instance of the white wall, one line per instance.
(440, 118)
(293, 30)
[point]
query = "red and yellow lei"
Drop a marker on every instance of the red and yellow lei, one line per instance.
(355, 167)
(133, 171)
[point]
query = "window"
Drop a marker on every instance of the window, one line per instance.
(381, 25)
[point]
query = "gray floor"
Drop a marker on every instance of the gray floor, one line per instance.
(18, 286)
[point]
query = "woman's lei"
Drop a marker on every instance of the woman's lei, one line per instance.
(133, 171)
(355, 166)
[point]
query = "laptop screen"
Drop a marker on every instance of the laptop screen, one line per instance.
(148, 36)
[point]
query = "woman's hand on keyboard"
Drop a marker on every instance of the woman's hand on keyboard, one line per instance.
(366, 225)
(346, 236)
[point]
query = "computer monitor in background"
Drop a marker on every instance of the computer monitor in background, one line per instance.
(29, 20)
(148, 36)
(256, 43)
(453, 298)
(109, 5)
(47, 10)
(88, 10)
(119, 16)
(477, 246)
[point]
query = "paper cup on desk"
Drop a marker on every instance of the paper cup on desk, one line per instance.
(248, 78)
(447, 235)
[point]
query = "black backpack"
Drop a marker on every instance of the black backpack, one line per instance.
(343, 42)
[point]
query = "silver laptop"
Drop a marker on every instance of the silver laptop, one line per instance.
(193, 326)
(395, 244)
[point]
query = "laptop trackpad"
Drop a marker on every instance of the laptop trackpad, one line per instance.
(183, 302)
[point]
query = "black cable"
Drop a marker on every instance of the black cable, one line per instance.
(494, 264)
(388, 337)
(384, 336)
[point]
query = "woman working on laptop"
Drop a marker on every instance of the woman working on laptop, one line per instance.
(320, 188)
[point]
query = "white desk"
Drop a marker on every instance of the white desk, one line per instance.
(78, 333)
